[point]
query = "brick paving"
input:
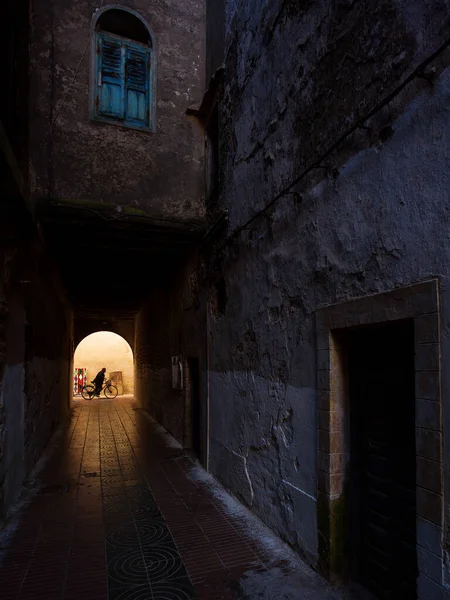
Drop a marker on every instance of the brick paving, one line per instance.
(118, 517)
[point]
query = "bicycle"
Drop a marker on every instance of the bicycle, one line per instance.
(110, 391)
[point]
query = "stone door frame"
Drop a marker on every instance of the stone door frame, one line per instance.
(419, 302)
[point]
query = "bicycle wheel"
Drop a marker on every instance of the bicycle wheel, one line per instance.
(110, 391)
(88, 392)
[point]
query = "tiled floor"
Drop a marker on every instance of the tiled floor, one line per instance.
(118, 517)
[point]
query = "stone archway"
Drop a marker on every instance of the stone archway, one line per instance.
(84, 326)
(104, 349)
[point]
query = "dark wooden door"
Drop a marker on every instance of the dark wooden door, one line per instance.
(383, 460)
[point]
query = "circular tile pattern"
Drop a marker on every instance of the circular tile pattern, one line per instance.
(112, 482)
(116, 508)
(141, 496)
(110, 470)
(128, 465)
(149, 534)
(153, 533)
(143, 512)
(160, 591)
(123, 537)
(114, 492)
(128, 567)
(109, 460)
(137, 593)
(163, 563)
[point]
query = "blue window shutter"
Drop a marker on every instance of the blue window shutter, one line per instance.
(110, 100)
(137, 84)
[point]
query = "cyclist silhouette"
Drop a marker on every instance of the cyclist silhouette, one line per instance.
(98, 381)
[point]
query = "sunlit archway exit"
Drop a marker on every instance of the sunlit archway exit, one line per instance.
(108, 350)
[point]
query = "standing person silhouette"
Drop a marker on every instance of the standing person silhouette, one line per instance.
(98, 381)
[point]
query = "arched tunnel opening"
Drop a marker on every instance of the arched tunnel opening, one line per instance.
(154, 354)
(108, 350)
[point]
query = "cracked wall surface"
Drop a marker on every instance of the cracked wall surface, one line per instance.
(73, 157)
(353, 174)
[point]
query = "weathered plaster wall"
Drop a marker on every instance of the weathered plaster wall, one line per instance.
(370, 216)
(170, 324)
(35, 325)
(106, 349)
(300, 74)
(80, 159)
(35, 339)
(48, 351)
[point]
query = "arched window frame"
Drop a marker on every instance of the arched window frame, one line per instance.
(96, 37)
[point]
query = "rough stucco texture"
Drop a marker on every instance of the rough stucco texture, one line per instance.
(299, 74)
(82, 159)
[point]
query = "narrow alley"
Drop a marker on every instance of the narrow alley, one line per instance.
(232, 218)
(121, 512)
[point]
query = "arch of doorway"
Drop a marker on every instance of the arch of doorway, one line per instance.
(103, 349)
(84, 326)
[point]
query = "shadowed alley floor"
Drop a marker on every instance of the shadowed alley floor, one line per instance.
(123, 513)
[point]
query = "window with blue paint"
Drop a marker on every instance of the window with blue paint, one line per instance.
(123, 70)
